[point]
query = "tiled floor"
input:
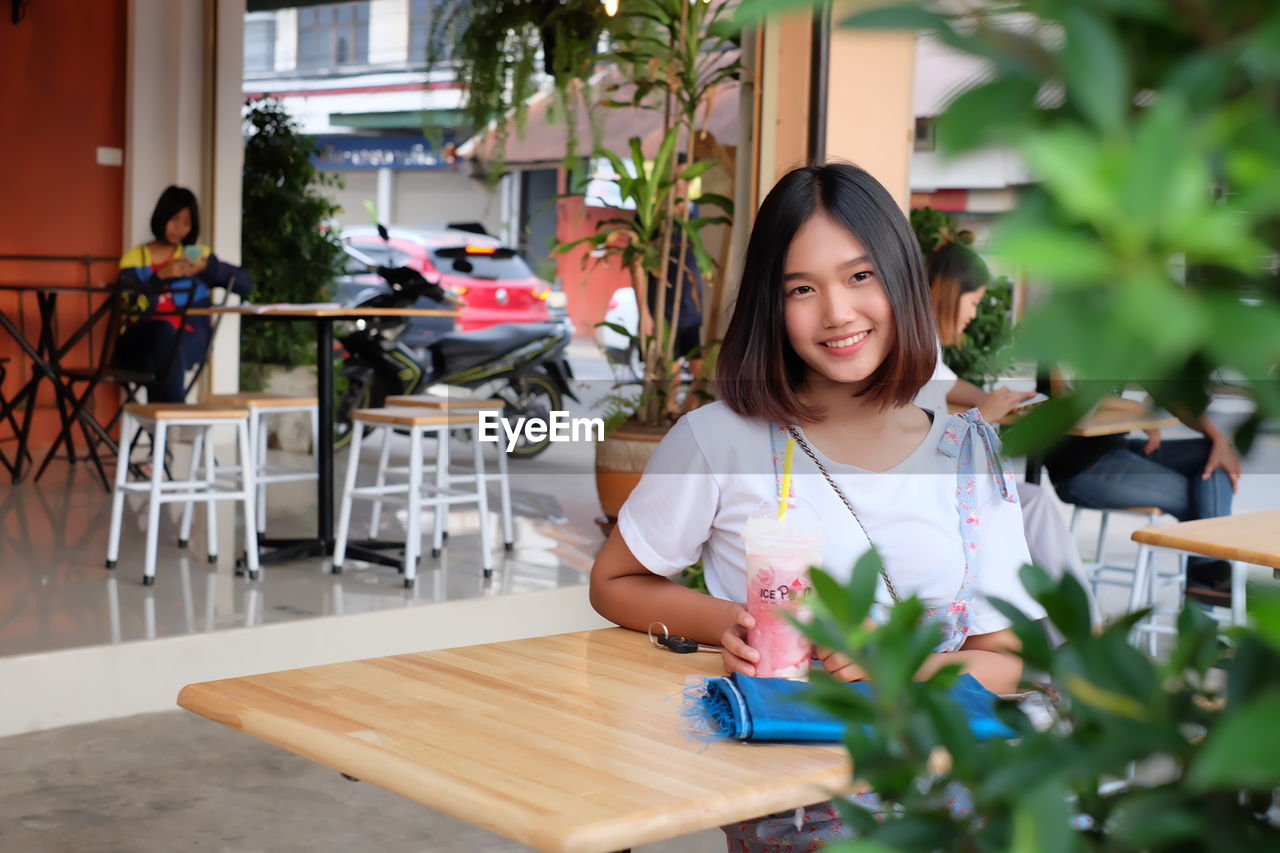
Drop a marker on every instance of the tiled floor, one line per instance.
(55, 592)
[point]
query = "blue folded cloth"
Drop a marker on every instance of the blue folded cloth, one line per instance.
(768, 710)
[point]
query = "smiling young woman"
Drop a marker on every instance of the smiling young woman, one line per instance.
(831, 338)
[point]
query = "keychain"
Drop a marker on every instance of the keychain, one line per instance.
(675, 642)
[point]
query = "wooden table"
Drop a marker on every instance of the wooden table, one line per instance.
(1252, 537)
(1110, 422)
(321, 545)
(569, 743)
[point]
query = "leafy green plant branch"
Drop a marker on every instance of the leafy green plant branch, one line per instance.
(285, 243)
(1199, 727)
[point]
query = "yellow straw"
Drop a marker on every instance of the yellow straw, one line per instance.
(786, 479)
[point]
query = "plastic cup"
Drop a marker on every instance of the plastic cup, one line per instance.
(779, 554)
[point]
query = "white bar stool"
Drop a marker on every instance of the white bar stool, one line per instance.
(260, 404)
(1102, 573)
(159, 418)
(417, 493)
(473, 407)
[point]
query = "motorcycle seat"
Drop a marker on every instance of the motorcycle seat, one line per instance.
(457, 347)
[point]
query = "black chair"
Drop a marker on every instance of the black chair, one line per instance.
(6, 414)
(75, 401)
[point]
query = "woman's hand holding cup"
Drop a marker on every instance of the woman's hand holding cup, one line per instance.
(737, 655)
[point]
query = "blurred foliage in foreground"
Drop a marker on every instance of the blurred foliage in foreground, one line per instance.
(1208, 747)
(1153, 128)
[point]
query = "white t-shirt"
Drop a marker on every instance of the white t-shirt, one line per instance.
(715, 467)
(933, 395)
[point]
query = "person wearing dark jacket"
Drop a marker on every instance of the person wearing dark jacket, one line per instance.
(161, 279)
(689, 323)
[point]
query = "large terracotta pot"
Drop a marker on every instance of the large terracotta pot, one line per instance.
(620, 460)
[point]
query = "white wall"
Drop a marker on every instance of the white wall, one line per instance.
(165, 123)
(286, 39)
(388, 31)
(228, 170)
(360, 185)
(422, 197)
(419, 197)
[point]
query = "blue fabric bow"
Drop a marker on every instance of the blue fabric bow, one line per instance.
(768, 710)
(963, 434)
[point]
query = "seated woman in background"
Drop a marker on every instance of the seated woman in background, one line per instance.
(958, 280)
(161, 278)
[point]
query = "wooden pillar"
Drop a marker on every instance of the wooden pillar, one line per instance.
(870, 114)
(870, 117)
(783, 85)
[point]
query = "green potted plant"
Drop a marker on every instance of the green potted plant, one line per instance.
(288, 249)
(506, 50)
(674, 56)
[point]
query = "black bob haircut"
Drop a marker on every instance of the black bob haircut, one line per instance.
(172, 200)
(758, 373)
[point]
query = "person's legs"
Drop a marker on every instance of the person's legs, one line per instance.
(797, 831)
(149, 347)
(1169, 479)
(1209, 498)
(1124, 478)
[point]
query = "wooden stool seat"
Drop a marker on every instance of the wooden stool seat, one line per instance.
(180, 411)
(430, 401)
(259, 400)
(1140, 510)
(412, 417)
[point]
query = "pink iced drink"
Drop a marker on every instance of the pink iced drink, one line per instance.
(778, 558)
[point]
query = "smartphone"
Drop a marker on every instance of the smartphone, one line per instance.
(1032, 401)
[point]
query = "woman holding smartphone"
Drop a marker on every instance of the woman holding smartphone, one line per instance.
(162, 277)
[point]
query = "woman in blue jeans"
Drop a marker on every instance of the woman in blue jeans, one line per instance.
(1187, 478)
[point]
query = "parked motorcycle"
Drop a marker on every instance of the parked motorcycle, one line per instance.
(522, 364)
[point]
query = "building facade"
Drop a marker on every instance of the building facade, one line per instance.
(355, 75)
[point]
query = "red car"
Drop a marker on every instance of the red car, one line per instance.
(493, 281)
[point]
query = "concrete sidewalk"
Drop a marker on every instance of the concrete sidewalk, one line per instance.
(158, 783)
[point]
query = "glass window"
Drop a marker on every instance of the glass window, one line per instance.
(503, 266)
(260, 43)
(379, 253)
(423, 17)
(333, 35)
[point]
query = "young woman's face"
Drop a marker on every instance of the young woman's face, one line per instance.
(968, 309)
(838, 315)
(178, 226)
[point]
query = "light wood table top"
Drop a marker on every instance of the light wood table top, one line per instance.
(1104, 422)
(285, 310)
(1252, 537)
(1111, 422)
(570, 743)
